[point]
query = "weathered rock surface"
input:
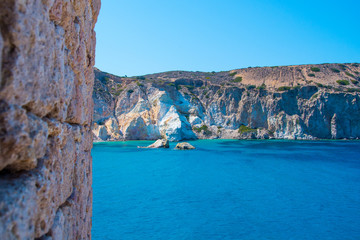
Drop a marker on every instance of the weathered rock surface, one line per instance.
(47, 52)
(160, 143)
(184, 146)
(292, 102)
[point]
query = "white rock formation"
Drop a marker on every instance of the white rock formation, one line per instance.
(160, 143)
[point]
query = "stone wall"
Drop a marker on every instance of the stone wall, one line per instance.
(47, 52)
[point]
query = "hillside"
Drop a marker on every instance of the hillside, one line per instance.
(287, 102)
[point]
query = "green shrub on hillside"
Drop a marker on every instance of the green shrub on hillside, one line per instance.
(349, 74)
(284, 88)
(250, 87)
(353, 90)
(323, 86)
(315, 69)
(237, 80)
(203, 128)
(105, 80)
(189, 87)
(342, 66)
(311, 75)
(140, 78)
(262, 87)
(232, 74)
(343, 82)
(355, 82)
(335, 70)
(130, 91)
(244, 129)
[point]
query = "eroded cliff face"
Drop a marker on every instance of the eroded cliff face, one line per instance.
(47, 52)
(291, 102)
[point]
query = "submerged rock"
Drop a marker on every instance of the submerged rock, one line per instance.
(184, 146)
(160, 143)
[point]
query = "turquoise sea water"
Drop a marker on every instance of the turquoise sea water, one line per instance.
(227, 189)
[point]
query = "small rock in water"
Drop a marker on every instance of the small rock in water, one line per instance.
(184, 146)
(160, 143)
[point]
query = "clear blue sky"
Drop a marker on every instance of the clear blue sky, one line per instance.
(136, 37)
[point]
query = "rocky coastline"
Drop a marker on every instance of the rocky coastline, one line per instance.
(306, 102)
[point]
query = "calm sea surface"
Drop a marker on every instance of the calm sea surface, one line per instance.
(227, 189)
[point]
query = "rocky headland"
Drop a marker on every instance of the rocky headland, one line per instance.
(288, 102)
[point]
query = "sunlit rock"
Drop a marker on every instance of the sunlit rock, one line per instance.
(184, 146)
(160, 143)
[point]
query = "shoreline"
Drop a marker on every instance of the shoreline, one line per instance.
(263, 140)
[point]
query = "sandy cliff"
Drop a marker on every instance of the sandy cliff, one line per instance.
(290, 102)
(47, 52)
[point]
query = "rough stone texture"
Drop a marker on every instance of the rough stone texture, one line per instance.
(47, 52)
(184, 146)
(271, 102)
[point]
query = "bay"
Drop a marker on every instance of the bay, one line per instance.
(227, 189)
